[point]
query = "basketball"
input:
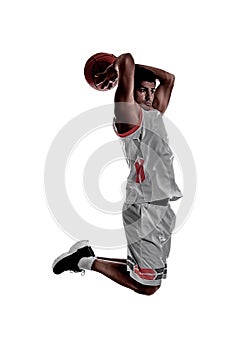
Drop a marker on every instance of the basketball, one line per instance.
(97, 64)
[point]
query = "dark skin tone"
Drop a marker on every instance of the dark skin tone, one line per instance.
(127, 111)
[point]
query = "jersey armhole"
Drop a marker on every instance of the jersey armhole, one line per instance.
(130, 131)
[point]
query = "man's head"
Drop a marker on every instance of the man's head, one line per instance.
(144, 87)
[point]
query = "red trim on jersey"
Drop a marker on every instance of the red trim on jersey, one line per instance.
(146, 274)
(132, 130)
(140, 174)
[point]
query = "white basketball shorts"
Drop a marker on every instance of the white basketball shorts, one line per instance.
(148, 229)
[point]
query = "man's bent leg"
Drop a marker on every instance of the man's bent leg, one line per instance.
(117, 272)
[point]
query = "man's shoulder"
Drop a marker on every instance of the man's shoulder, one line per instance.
(126, 129)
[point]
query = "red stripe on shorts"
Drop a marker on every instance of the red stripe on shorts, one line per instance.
(146, 274)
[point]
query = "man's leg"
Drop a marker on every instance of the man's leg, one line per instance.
(117, 272)
(81, 257)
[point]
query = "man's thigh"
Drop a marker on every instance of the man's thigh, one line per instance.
(148, 231)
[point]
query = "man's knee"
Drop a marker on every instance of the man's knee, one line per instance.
(147, 290)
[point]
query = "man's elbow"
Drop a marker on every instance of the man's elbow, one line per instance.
(128, 58)
(171, 80)
(168, 80)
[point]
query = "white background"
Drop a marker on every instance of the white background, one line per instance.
(44, 45)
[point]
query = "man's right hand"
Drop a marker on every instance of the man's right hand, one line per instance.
(108, 78)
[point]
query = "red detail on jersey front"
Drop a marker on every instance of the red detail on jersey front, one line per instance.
(146, 274)
(140, 175)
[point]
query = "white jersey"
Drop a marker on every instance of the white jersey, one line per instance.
(150, 160)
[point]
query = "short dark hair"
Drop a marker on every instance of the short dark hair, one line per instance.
(143, 74)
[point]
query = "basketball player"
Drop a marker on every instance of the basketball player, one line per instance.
(147, 216)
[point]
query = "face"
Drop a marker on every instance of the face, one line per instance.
(144, 94)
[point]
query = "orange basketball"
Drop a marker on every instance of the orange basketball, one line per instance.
(97, 64)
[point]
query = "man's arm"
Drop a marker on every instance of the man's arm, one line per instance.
(127, 111)
(164, 89)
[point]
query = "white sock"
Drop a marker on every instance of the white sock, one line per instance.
(86, 262)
